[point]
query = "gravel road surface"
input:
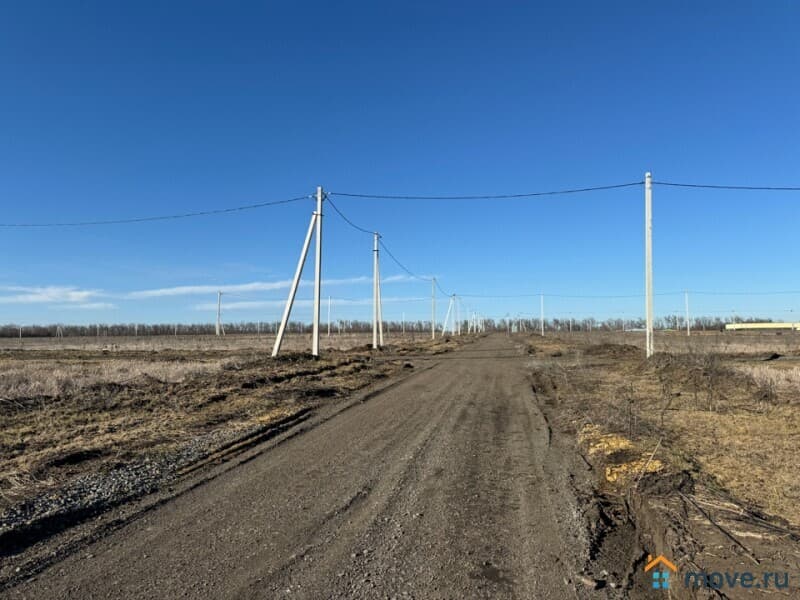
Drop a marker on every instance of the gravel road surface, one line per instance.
(446, 485)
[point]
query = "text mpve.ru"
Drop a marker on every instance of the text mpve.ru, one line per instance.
(716, 580)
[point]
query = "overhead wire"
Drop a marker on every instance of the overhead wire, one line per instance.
(346, 219)
(201, 213)
(761, 188)
(383, 245)
(491, 196)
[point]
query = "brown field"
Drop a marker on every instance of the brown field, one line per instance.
(709, 427)
(292, 342)
(722, 405)
(79, 406)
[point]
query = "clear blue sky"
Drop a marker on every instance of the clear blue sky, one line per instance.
(114, 110)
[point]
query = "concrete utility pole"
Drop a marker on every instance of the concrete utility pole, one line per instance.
(541, 313)
(648, 260)
(433, 308)
(447, 316)
(688, 324)
(296, 281)
(380, 308)
(317, 274)
(458, 317)
(219, 313)
(375, 276)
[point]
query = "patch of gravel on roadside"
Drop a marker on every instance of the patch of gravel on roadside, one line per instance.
(88, 495)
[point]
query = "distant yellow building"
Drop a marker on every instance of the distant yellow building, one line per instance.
(738, 326)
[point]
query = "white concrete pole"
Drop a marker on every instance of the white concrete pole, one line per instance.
(648, 260)
(541, 313)
(293, 290)
(380, 306)
(458, 316)
(433, 308)
(688, 324)
(375, 290)
(317, 275)
(219, 312)
(453, 320)
(447, 316)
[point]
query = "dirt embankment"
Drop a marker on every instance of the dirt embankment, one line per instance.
(119, 425)
(697, 450)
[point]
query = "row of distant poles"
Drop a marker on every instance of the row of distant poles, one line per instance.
(315, 226)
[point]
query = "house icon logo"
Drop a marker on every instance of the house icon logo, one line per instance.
(661, 567)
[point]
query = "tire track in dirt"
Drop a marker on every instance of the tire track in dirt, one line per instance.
(445, 485)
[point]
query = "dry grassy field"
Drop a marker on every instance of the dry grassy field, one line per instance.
(88, 423)
(720, 406)
(77, 413)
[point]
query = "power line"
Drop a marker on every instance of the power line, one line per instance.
(159, 218)
(492, 196)
(729, 187)
(778, 293)
(546, 295)
(348, 221)
(383, 245)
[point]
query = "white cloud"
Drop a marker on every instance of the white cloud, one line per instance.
(197, 290)
(257, 304)
(75, 297)
(89, 306)
(401, 278)
(46, 295)
(255, 286)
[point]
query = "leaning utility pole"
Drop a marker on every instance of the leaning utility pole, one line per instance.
(316, 222)
(648, 260)
(447, 316)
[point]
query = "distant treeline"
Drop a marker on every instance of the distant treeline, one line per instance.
(265, 327)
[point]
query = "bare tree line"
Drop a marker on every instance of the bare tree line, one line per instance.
(268, 327)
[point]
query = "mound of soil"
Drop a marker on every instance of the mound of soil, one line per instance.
(613, 350)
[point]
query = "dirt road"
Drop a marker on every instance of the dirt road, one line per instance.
(446, 485)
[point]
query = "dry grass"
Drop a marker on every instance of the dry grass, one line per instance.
(36, 378)
(292, 342)
(736, 420)
(64, 413)
(700, 342)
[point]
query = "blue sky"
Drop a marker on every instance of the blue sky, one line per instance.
(115, 110)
